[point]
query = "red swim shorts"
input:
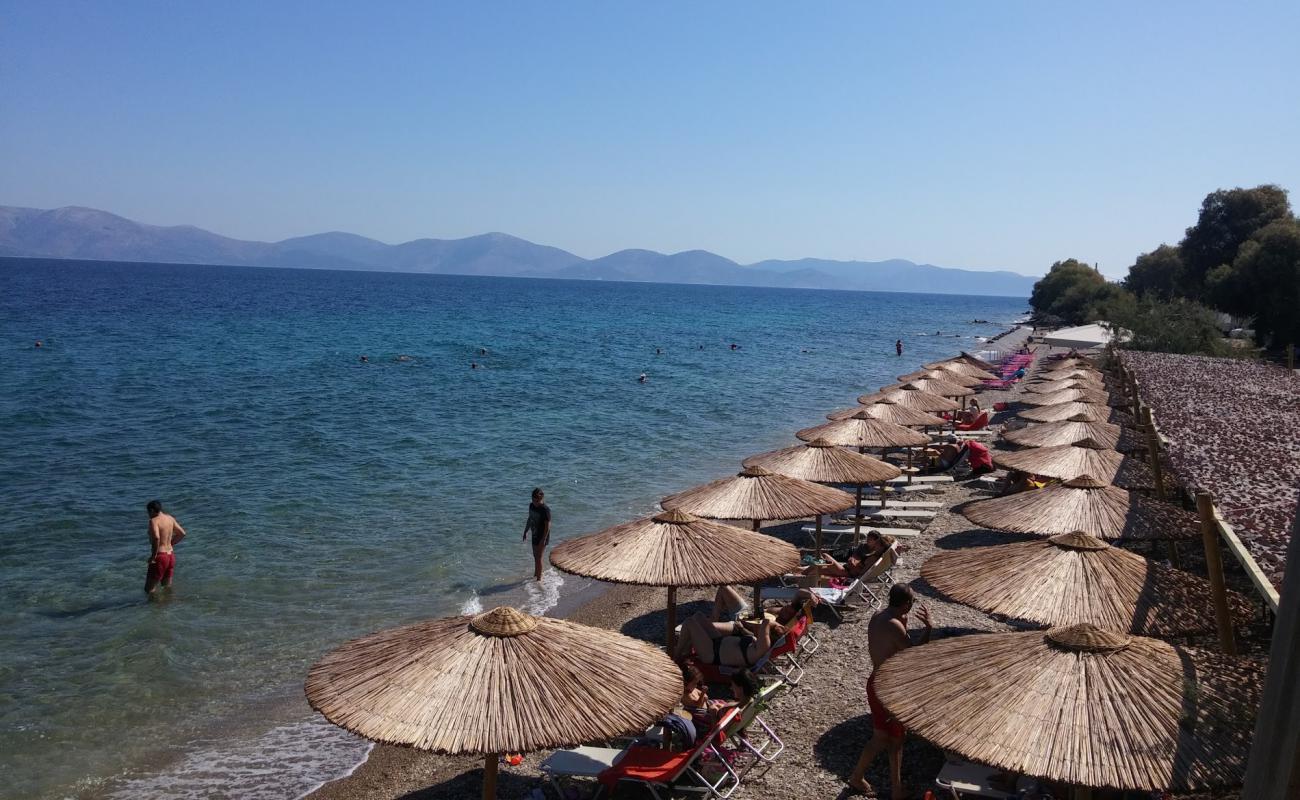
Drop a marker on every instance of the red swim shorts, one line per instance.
(161, 568)
(881, 719)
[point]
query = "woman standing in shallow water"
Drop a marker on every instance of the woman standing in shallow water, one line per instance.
(539, 524)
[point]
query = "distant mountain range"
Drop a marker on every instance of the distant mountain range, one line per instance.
(90, 234)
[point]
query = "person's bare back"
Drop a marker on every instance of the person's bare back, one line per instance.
(164, 534)
(886, 634)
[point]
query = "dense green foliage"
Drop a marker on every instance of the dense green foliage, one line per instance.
(1242, 256)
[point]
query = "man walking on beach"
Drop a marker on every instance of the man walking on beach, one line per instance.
(164, 534)
(539, 525)
(886, 635)
(898, 347)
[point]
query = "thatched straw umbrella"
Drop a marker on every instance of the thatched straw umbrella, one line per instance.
(499, 682)
(1052, 387)
(967, 358)
(862, 431)
(915, 400)
(1053, 434)
(822, 462)
(1071, 375)
(756, 494)
(676, 549)
(1084, 504)
(890, 411)
(1067, 396)
(1081, 706)
(1072, 578)
(1082, 457)
(963, 368)
(946, 376)
(1091, 412)
(941, 388)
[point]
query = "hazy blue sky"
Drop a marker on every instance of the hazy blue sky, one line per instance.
(999, 134)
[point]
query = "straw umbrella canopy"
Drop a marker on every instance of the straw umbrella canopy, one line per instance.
(862, 430)
(757, 494)
(822, 462)
(1092, 396)
(1071, 374)
(1072, 578)
(942, 375)
(1070, 363)
(1092, 412)
(913, 399)
(1058, 433)
(933, 386)
(499, 682)
(963, 368)
(967, 358)
(675, 549)
(1084, 504)
(1081, 706)
(1051, 387)
(889, 411)
(1082, 457)
(1052, 434)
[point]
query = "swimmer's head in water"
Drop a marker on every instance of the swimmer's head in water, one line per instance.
(154, 507)
(38, 343)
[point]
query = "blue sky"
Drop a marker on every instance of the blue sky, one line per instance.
(987, 135)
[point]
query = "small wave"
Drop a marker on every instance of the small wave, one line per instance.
(543, 595)
(291, 760)
(474, 605)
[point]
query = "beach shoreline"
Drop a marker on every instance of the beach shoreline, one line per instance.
(393, 772)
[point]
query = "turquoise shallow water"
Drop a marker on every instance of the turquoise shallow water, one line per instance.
(326, 497)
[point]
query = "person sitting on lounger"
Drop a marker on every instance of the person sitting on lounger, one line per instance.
(970, 413)
(1017, 482)
(728, 644)
(946, 456)
(860, 560)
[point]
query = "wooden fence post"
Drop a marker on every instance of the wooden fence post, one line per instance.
(1158, 474)
(1214, 566)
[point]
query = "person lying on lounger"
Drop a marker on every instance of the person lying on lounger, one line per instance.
(860, 560)
(946, 456)
(728, 644)
(1017, 482)
(728, 605)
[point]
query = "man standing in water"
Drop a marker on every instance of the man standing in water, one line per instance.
(164, 533)
(886, 635)
(539, 525)
(898, 347)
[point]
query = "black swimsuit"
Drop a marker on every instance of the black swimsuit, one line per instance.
(745, 642)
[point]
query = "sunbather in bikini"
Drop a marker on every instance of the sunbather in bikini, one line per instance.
(731, 644)
(863, 558)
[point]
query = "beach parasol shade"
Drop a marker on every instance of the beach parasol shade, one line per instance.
(1093, 412)
(1057, 364)
(1072, 578)
(1070, 374)
(941, 388)
(1082, 457)
(1051, 387)
(967, 358)
(941, 375)
(499, 682)
(757, 494)
(1053, 434)
(1091, 396)
(1081, 706)
(822, 462)
(862, 430)
(676, 549)
(1084, 504)
(888, 411)
(963, 368)
(915, 400)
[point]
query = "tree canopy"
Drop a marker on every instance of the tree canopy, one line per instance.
(1228, 218)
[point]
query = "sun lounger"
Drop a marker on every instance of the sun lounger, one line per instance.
(655, 768)
(921, 479)
(966, 779)
(872, 504)
(878, 579)
(764, 745)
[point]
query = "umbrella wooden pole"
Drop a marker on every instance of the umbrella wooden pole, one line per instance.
(909, 465)
(1214, 566)
(669, 636)
(490, 776)
(857, 516)
(819, 536)
(883, 498)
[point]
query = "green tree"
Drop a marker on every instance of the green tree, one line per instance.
(1067, 291)
(1227, 219)
(1157, 274)
(1174, 326)
(1264, 282)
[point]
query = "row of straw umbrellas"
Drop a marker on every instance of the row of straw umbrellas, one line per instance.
(1098, 699)
(504, 681)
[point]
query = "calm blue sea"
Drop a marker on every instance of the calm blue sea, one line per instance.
(326, 497)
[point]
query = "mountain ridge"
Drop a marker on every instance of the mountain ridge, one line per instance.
(77, 232)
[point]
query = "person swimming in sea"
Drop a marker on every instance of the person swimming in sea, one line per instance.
(365, 359)
(642, 379)
(473, 365)
(735, 346)
(482, 351)
(38, 344)
(658, 352)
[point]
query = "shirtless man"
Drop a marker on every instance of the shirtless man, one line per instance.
(886, 635)
(164, 533)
